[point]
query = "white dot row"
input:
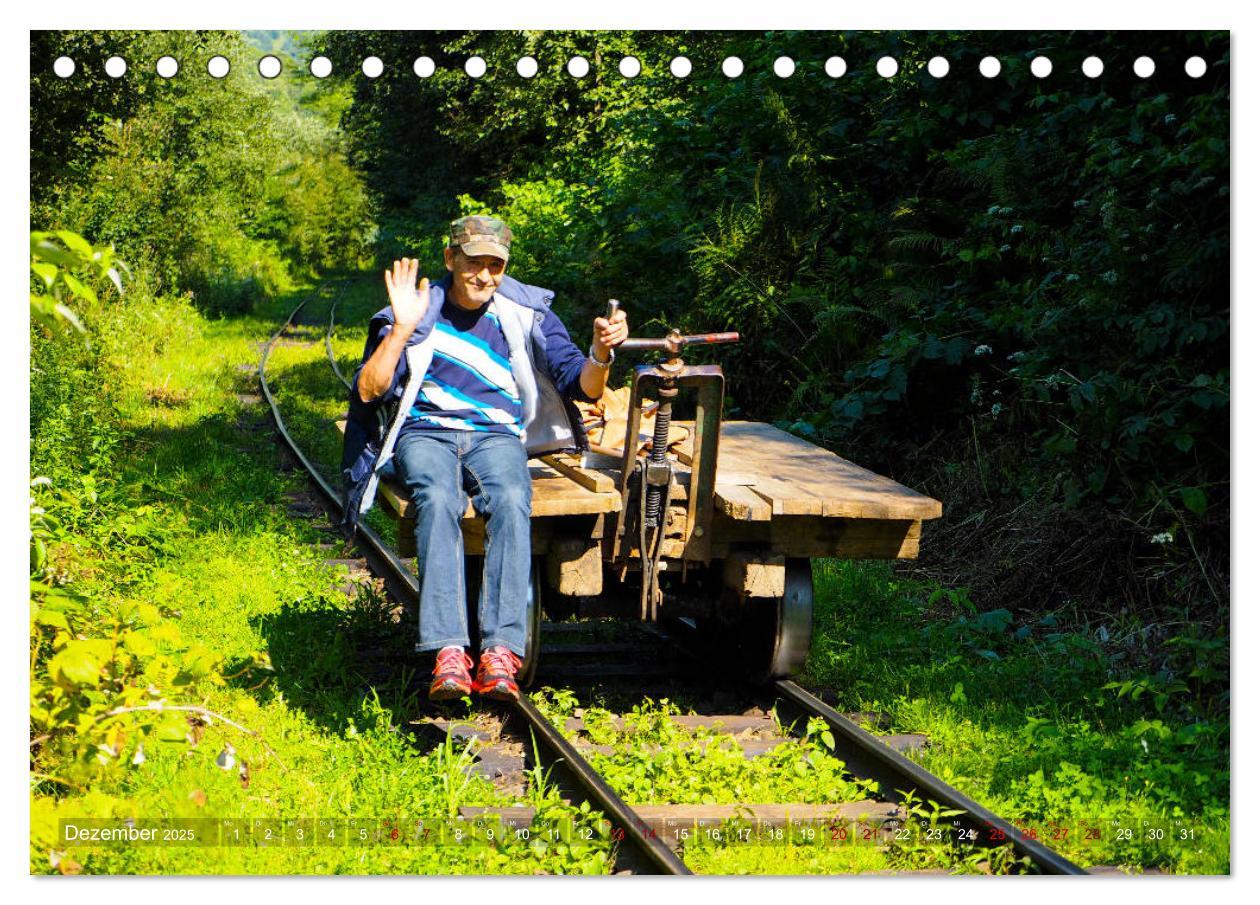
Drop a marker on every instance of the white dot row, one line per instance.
(579, 67)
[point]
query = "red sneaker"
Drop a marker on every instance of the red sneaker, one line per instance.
(450, 675)
(496, 674)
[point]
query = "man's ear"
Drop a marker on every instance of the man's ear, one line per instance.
(448, 255)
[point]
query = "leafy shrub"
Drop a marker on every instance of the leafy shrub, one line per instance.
(222, 188)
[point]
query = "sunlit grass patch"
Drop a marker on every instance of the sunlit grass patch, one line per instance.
(1024, 714)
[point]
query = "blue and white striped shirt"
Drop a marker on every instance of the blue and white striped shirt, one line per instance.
(469, 384)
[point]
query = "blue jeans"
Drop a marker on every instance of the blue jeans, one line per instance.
(441, 470)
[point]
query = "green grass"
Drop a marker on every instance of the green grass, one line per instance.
(1031, 716)
(655, 761)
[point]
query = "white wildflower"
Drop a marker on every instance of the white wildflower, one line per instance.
(984, 349)
(1162, 538)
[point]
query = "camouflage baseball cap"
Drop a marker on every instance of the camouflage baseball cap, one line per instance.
(481, 236)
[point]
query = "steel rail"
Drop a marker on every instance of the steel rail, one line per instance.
(893, 770)
(332, 322)
(384, 559)
(613, 805)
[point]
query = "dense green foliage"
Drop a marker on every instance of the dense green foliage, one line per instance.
(221, 187)
(1012, 292)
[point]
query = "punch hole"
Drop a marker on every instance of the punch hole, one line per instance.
(1144, 67)
(527, 67)
(218, 67)
(321, 67)
(1092, 67)
(1196, 67)
(269, 67)
(115, 67)
(373, 67)
(167, 67)
(938, 67)
(1041, 67)
(990, 67)
(629, 67)
(578, 67)
(424, 67)
(887, 67)
(63, 67)
(784, 67)
(680, 67)
(475, 67)
(732, 67)
(835, 67)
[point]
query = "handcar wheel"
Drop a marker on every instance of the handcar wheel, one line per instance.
(774, 633)
(533, 623)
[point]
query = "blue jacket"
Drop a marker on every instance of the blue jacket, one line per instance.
(546, 364)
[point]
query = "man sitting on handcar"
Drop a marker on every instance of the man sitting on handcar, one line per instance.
(461, 381)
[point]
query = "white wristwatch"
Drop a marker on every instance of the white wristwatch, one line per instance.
(601, 364)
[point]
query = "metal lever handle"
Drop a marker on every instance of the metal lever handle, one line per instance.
(667, 344)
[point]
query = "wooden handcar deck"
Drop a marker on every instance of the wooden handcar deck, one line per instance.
(773, 490)
(790, 476)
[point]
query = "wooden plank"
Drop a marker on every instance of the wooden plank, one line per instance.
(816, 536)
(560, 496)
(741, 503)
(798, 478)
(395, 497)
(845, 538)
(844, 489)
(753, 575)
(570, 466)
(474, 534)
(575, 568)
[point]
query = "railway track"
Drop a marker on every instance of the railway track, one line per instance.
(640, 829)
